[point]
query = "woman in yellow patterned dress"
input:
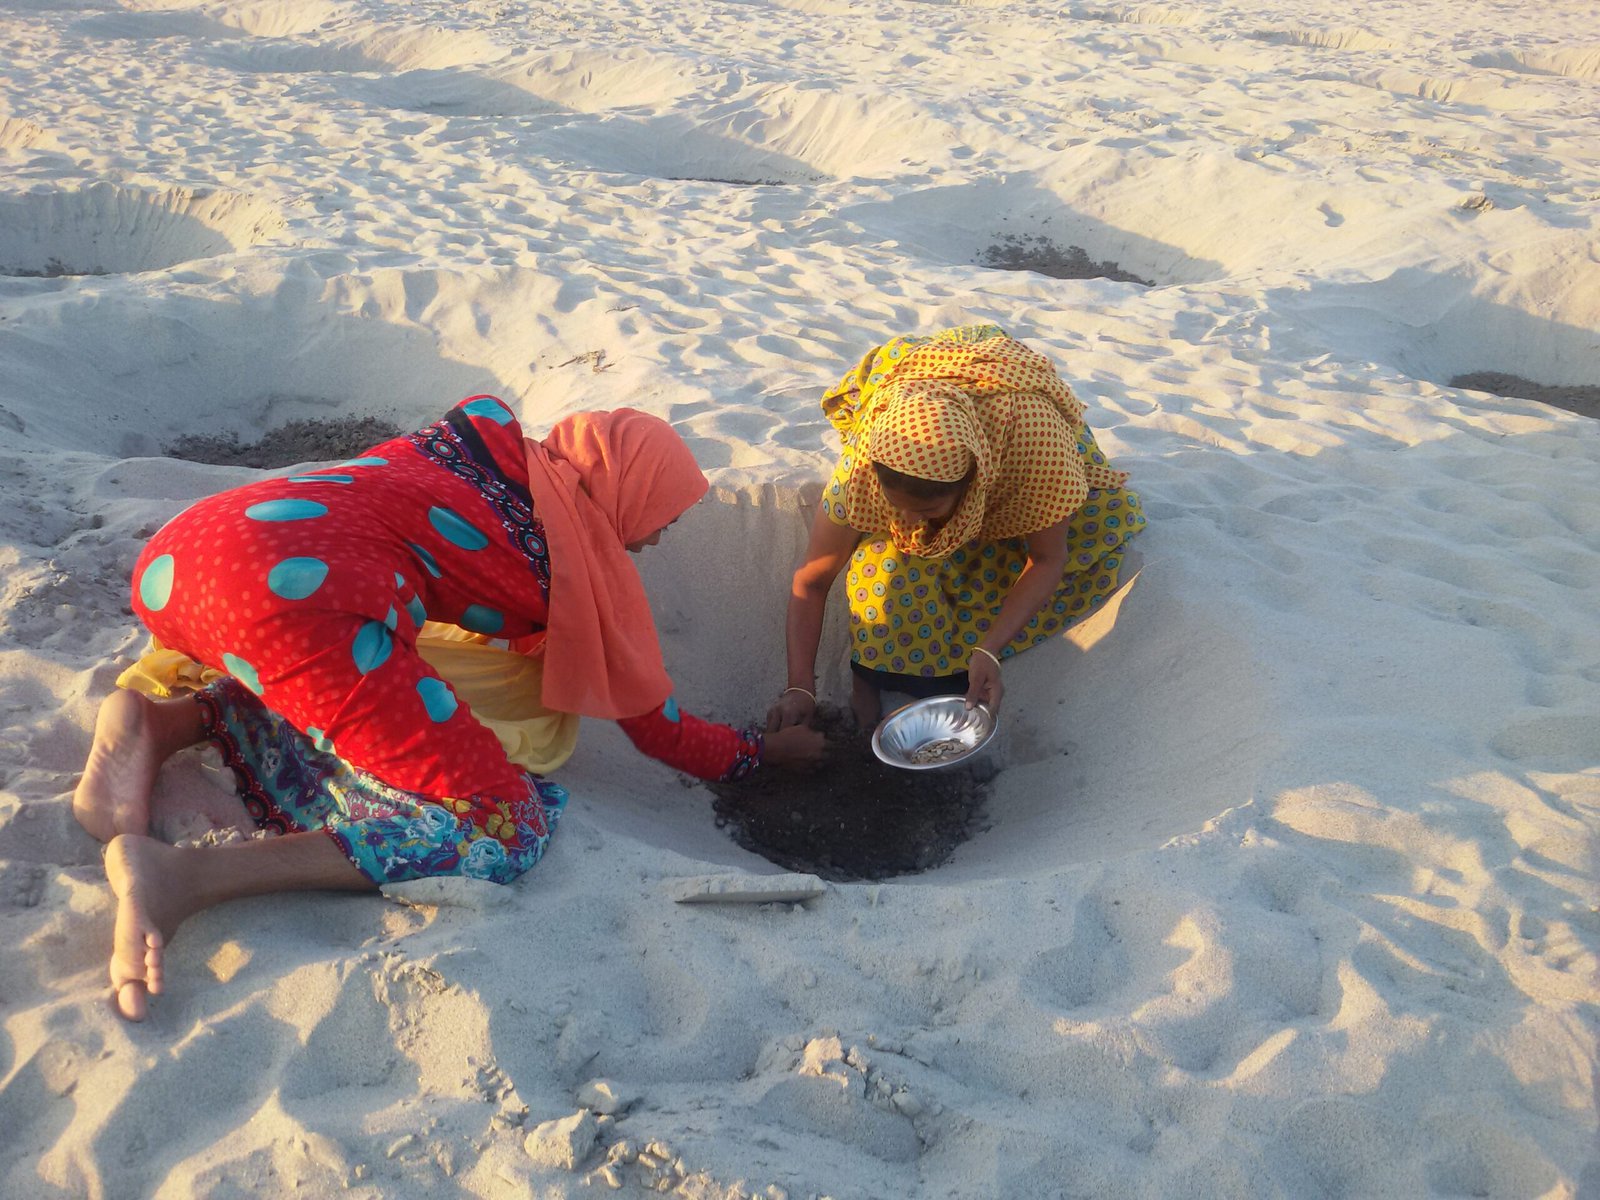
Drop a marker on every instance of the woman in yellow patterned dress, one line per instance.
(974, 511)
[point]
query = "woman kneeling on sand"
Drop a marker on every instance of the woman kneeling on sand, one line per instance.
(976, 514)
(342, 725)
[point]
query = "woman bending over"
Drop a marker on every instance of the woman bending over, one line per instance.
(298, 606)
(974, 512)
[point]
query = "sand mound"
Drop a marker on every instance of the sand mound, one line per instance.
(104, 229)
(1285, 886)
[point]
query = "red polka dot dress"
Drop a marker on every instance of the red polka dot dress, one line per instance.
(309, 590)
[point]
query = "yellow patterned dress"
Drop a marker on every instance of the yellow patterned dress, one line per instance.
(921, 597)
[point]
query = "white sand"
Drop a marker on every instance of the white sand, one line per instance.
(1291, 886)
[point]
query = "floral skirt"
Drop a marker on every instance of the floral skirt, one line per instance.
(914, 621)
(290, 784)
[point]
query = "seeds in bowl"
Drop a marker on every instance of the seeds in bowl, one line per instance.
(937, 751)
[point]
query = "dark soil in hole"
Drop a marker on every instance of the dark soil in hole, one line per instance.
(1583, 399)
(53, 269)
(290, 443)
(730, 182)
(1017, 252)
(855, 818)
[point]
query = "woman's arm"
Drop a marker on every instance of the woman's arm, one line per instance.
(827, 552)
(695, 747)
(1047, 563)
(721, 753)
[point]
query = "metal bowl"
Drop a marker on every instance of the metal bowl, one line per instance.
(923, 728)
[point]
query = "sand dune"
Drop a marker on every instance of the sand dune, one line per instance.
(1288, 888)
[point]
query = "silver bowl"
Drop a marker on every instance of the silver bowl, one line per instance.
(927, 735)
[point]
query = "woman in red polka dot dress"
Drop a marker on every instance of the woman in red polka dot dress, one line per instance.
(309, 593)
(974, 512)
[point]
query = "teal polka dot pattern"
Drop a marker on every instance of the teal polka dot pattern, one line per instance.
(488, 406)
(297, 578)
(429, 562)
(479, 618)
(372, 646)
(416, 612)
(456, 529)
(242, 671)
(371, 460)
(319, 739)
(437, 699)
(322, 479)
(155, 585)
(286, 510)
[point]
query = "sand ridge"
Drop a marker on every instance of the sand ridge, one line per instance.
(1288, 888)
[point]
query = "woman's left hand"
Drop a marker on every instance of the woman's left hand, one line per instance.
(984, 685)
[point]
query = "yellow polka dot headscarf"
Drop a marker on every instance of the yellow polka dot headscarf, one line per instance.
(927, 429)
(934, 407)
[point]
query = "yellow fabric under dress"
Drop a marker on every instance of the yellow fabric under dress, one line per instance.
(502, 688)
(918, 617)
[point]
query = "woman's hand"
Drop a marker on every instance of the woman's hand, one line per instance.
(984, 685)
(794, 707)
(795, 748)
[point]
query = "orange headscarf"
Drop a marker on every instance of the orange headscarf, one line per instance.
(601, 480)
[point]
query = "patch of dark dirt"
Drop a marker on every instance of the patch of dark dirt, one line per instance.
(53, 268)
(290, 443)
(1035, 252)
(855, 818)
(730, 182)
(1583, 399)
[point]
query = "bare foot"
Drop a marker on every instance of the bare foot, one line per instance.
(866, 702)
(152, 901)
(129, 747)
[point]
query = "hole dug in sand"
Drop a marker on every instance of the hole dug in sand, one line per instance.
(1142, 723)
(1037, 253)
(856, 818)
(1581, 399)
(104, 229)
(311, 440)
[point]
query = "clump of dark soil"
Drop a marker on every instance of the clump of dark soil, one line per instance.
(730, 181)
(290, 443)
(1035, 252)
(53, 268)
(1583, 399)
(855, 818)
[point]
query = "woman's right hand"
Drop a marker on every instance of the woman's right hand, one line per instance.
(794, 707)
(795, 748)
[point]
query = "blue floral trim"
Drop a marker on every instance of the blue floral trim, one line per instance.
(454, 445)
(748, 756)
(389, 835)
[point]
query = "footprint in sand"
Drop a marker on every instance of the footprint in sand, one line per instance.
(1091, 967)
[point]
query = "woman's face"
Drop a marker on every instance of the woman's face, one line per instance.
(653, 540)
(935, 510)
